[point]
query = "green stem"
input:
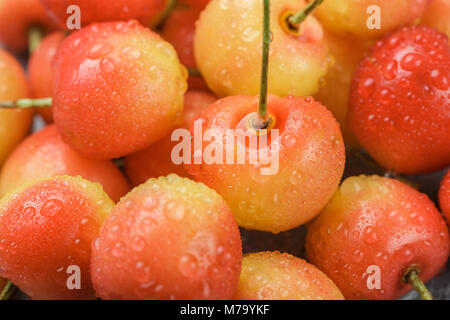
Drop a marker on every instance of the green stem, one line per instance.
(300, 16)
(262, 111)
(27, 103)
(7, 291)
(34, 38)
(194, 72)
(412, 277)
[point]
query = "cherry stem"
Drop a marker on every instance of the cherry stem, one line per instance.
(262, 111)
(193, 72)
(34, 38)
(300, 16)
(27, 103)
(7, 291)
(412, 277)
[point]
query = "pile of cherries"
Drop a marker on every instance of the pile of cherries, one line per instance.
(112, 93)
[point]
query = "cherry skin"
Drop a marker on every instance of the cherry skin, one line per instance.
(311, 162)
(40, 70)
(335, 90)
(438, 16)
(170, 238)
(228, 49)
(147, 12)
(200, 4)
(280, 276)
(444, 196)
(400, 99)
(118, 88)
(179, 30)
(46, 227)
(16, 19)
(44, 155)
(156, 160)
(14, 124)
(352, 18)
(375, 221)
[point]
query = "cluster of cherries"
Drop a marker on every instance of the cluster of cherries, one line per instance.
(115, 89)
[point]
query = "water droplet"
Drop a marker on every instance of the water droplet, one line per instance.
(51, 208)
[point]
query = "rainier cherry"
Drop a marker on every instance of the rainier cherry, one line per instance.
(40, 70)
(14, 124)
(228, 48)
(438, 16)
(400, 100)
(369, 18)
(277, 276)
(375, 236)
(47, 228)
(44, 154)
(444, 196)
(17, 18)
(170, 238)
(156, 160)
(308, 146)
(146, 12)
(118, 88)
(179, 30)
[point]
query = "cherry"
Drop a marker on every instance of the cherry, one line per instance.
(302, 139)
(377, 234)
(444, 196)
(400, 99)
(228, 49)
(40, 70)
(14, 124)
(118, 88)
(156, 160)
(201, 4)
(46, 227)
(147, 12)
(44, 155)
(18, 18)
(438, 16)
(277, 276)
(357, 18)
(335, 89)
(179, 30)
(170, 238)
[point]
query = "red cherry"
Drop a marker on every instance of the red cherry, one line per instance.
(46, 228)
(444, 196)
(400, 99)
(44, 155)
(179, 30)
(311, 161)
(170, 238)
(118, 88)
(156, 160)
(40, 70)
(374, 230)
(146, 12)
(16, 19)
